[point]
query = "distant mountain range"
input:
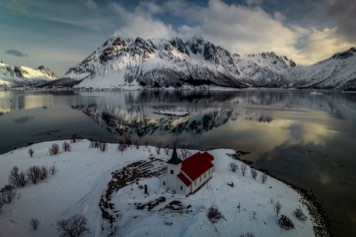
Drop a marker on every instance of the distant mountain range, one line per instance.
(131, 63)
(19, 76)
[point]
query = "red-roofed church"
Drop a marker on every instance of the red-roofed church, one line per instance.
(185, 177)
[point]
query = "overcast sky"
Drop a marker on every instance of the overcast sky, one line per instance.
(60, 34)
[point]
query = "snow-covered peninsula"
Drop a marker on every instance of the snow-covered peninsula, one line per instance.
(106, 185)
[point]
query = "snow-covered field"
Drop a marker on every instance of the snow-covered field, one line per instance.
(84, 173)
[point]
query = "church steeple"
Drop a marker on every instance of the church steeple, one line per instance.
(174, 159)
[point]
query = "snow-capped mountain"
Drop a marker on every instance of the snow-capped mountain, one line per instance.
(23, 76)
(339, 71)
(125, 62)
(264, 69)
(135, 62)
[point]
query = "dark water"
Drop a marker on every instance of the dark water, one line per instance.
(307, 140)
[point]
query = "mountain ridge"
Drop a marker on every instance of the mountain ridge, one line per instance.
(19, 76)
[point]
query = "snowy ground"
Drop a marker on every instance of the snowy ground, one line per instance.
(84, 173)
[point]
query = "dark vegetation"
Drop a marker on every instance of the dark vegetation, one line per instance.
(74, 226)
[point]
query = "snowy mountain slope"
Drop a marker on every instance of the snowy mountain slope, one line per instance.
(23, 75)
(339, 71)
(264, 69)
(124, 62)
(135, 63)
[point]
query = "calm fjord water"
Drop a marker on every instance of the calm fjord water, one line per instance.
(307, 140)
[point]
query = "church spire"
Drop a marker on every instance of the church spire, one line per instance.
(174, 159)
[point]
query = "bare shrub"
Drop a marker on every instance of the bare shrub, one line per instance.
(74, 138)
(16, 178)
(31, 152)
(243, 168)
(54, 149)
(34, 174)
(91, 144)
(166, 150)
(263, 178)
(298, 213)
(96, 144)
(7, 194)
(184, 152)
(1, 205)
(285, 223)
(53, 169)
(34, 223)
(121, 147)
(254, 173)
(234, 167)
(277, 208)
(214, 215)
(247, 235)
(103, 146)
(66, 146)
(44, 173)
(74, 226)
(158, 149)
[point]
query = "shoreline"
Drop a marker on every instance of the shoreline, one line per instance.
(315, 208)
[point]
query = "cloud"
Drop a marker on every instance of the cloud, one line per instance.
(16, 53)
(141, 22)
(344, 14)
(91, 4)
(320, 44)
(240, 29)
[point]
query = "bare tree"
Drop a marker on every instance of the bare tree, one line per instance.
(34, 223)
(54, 149)
(166, 150)
(158, 149)
(16, 178)
(53, 169)
(277, 208)
(185, 153)
(214, 215)
(234, 167)
(31, 152)
(264, 178)
(7, 194)
(66, 146)
(103, 146)
(74, 138)
(74, 226)
(298, 213)
(44, 172)
(34, 174)
(243, 168)
(253, 173)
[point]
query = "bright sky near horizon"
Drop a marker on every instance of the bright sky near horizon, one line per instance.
(60, 34)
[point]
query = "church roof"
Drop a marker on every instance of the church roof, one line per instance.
(174, 159)
(184, 179)
(197, 164)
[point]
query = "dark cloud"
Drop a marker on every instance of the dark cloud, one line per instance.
(16, 53)
(344, 14)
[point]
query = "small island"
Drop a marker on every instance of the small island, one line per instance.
(118, 191)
